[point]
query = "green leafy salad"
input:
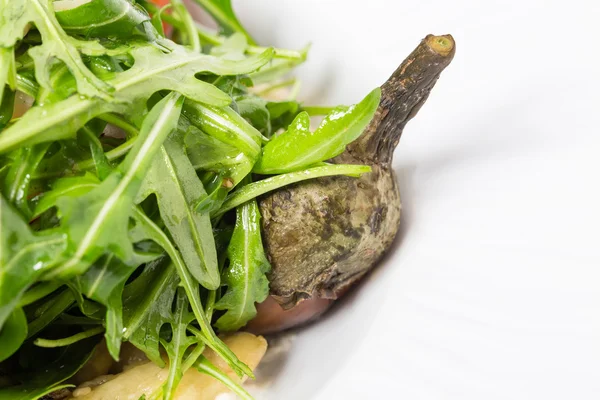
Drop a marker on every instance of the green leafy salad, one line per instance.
(130, 162)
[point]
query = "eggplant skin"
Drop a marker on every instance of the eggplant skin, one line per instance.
(322, 236)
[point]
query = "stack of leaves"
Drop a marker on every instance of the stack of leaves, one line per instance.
(129, 167)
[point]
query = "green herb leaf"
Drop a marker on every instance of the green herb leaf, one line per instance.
(282, 113)
(26, 392)
(225, 125)
(50, 370)
(245, 276)
(153, 71)
(104, 283)
(42, 314)
(259, 188)
(24, 257)
(7, 105)
(299, 148)
(208, 153)
(16, 15)
(7, 70)
(154, 233)
(13, 333)
(98, 221)
(255, 110)
(222, 12)
(72, 186)
(190, 29)
(180, 342)
(208, 368)
(147, 302)
(102, 18)
(173, 180)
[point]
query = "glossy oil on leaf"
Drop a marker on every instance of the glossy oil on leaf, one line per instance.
(245, 276)
(208, 153)
(173, 180)
(225, 125)
(101, 18)
(18, 176)
(299, 147)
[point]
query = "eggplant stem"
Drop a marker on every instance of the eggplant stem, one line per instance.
(402, 95)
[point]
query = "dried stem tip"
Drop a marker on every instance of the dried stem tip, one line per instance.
(401, 98)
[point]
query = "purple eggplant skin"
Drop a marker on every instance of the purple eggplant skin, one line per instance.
(324, 235)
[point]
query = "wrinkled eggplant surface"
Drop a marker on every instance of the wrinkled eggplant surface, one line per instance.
(322, 236)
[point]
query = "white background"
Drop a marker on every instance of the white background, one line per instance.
(493, 290)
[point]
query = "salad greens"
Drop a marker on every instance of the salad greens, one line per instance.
(127, 197)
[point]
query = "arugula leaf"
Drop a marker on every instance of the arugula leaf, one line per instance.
(208, 153)
(26, 392)
(18, 179)
(282, 113)
(154, 233)
(232, 48)
(255, 189)
(70, 186)
(179, 343)
(7, 71)
(222, 12)
(278, 68)
(16, 15)
(299, 147)
(173, 180)
(103, 167)
(255, 110)
(190, 30)
(206, 367)
(225, 125)
(24, 257)
(146, 302)
(104, 283)
(153, 71)
(97, 221)
(245, 276)
(157, 18)
(47, 310)
(52, 369)
(13, 333)
(118, 18)
(152, 301)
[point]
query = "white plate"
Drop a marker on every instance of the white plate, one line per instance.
(493, 289)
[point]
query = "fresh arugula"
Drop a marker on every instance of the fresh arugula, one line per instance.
(222, 12)
(245, 276)
(126, 207)
(24, 257)
(103, 18)
(299, 148)
(13, 333)
(177, 187)
(98, 220)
